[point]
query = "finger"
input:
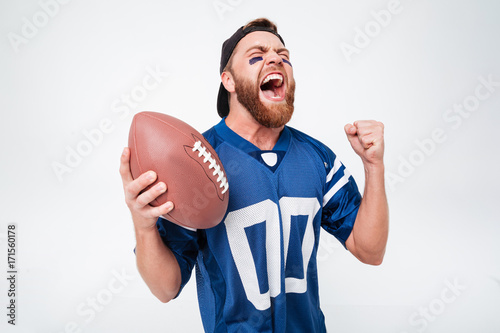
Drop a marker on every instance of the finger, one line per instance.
(372, 136)
(365, 123)
(133, 188)
(368, 126)
(350, 129)
(125, 166)
(145, 198)
(364, 127)
(156, 212)
(367, 141)
(352, 137)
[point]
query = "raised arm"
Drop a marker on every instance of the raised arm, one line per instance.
(156, 263)
(368, 238)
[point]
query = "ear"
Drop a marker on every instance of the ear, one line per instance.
(228, 81)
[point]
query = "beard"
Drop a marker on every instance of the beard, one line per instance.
(273, 116)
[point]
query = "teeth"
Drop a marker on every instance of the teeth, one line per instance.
(274, 77)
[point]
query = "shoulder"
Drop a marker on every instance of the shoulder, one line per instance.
(212, 137)
(312, 144)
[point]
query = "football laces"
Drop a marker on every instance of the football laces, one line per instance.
(202, 151)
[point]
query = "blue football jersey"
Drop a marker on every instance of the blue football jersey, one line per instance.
(256, 271)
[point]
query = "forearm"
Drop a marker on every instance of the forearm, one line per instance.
(371, 227)
(157, 264)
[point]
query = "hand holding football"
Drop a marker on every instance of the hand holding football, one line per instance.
(185, 161)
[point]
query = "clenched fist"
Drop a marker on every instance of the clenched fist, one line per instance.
(367, 140)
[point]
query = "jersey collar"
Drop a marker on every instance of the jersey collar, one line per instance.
(236, 140)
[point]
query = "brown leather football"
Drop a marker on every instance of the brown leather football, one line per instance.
(185, 161)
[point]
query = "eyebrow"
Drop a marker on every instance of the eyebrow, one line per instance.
(266, 48)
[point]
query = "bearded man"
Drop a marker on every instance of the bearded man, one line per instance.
(256, 271)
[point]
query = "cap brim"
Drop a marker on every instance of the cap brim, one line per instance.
(222, 102)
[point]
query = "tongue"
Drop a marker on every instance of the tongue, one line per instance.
(270, 93)
(270, 90)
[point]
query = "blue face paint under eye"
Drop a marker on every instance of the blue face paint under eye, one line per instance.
(254, 60)
(287, 62)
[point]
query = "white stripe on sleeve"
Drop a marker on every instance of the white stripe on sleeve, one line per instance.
(341, 182)
(336, 166)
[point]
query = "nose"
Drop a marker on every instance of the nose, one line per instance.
(273, 59)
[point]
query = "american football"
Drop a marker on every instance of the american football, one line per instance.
(183, 160)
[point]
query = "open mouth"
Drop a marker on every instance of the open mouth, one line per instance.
(273, 87)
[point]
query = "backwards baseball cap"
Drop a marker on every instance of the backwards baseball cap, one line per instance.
(227, 51)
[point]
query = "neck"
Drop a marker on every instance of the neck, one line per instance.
(249, 129)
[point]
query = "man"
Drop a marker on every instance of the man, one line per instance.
(256, 271)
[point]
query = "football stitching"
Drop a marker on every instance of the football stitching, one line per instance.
(213, 165)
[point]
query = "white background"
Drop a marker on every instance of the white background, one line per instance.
(68, 74)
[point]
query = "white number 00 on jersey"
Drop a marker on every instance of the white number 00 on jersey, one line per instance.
(268, 211)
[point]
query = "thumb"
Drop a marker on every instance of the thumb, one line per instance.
(350, 131)
(352, 135)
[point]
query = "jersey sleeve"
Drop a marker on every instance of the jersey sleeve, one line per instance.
(183, 243)
(341, 200)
